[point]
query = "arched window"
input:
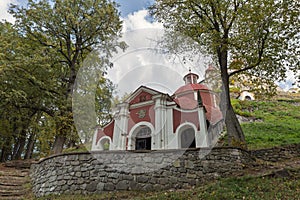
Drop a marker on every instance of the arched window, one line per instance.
(143, 139)
(104, 144)
(187, 137)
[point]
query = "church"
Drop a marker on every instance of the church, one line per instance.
(151, 120)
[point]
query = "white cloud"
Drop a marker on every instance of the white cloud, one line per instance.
(4, 15)
(288, 83)
(137, 20)
(143, 63)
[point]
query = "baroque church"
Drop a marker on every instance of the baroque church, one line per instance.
(151, 120)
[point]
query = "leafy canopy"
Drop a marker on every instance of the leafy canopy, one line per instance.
(262, 37)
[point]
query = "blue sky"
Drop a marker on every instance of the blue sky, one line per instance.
(130, 6)
(126, 6)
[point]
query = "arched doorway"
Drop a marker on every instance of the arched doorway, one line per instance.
(143, 139)
(187, 138)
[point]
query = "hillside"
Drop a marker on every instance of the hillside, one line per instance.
(271, 123)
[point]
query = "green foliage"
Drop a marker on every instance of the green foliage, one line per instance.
(259, 38)
(40, 57)
(79, 148)
(235, 90)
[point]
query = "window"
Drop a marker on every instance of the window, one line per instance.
(104, 144)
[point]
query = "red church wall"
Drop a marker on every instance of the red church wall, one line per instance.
(207, 98)
(143, 96)
(136, 116)
(179, 118)
(107, 131)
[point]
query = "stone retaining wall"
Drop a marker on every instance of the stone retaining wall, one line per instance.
(85, 173)
(276, 154)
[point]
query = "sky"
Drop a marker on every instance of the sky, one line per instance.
(143, 63)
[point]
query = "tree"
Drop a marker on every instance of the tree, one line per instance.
(25, 91)
(70, 29)
(260, 37)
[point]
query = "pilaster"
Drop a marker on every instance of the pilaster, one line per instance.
(121, 127)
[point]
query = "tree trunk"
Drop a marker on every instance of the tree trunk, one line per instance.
(15, 149)
(58, 144)
(234, 130)
(21, 145)
(3, 154)
(30, 145)
(6, 150)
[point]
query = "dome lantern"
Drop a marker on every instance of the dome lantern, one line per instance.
(190, 78)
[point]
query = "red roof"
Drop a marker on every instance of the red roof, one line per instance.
(186, 103)
(191, 87)
(213, 115)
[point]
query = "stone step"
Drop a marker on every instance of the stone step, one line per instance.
(12, 198)
(4, 193)
(18, 164)
(13, 174)
(13, 181)
(11, 187)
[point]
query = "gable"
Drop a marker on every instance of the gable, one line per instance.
(141, 97)
(142, 94)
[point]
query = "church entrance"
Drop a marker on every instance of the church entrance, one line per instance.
(143, 139)
(143, 143)
(188, 138)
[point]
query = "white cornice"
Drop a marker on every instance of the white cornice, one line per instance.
(141, 104)
(186, 111)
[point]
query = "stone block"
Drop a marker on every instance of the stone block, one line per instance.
(188, 164)
(191, 175)
(85, 174)
(142, 179)
(109, 187)
(176, 163)
(163, 181)
(78, 174)
(100, 186)
(126, 177)
(92, 187)
(113, 175)
(75, 162)
(122, 185)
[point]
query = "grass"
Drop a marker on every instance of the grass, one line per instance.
(280, 122)
(229, 188)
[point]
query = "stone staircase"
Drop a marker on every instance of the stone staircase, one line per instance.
(14, 181)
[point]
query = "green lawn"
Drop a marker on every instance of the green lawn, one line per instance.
(280, 122)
